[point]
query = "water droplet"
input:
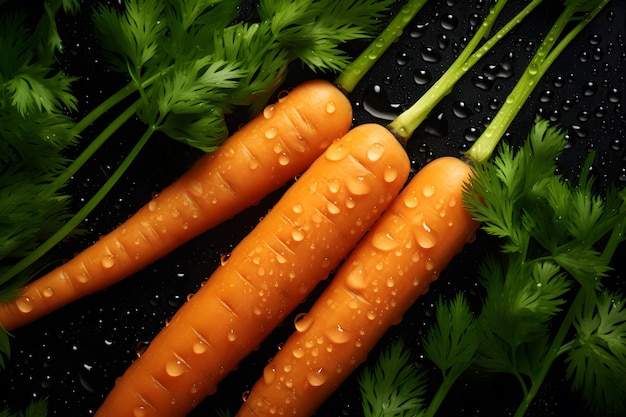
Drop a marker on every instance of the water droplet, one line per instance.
(330, 107)
(270, 133)
(269, 374)
(402, 58)
(336, 152)
(371, 315)
(449, 21)
(430, 55)
(358, 185)
(284, 159)
(375, 152)
(224, 258)
(317, 378)
(332, 208)
(376, 103)
(422, 76)
(232, 336)
(48, 292)
(108, 262)
(428, 191)
(199, 347)
(24, 304)
(384, 242)
(269, 111)
(297, 208)
(461, 110)
(390, 174)
(426, 237)
(357, 279)
(302, 322)
(337, 335)
(175, 368)
(297, 235)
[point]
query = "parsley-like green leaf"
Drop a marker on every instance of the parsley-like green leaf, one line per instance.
(37, 408)
(597, 359)
(453, 340)
(393, 387)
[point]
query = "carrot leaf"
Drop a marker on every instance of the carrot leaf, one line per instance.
(597, 358)
(37, 408)
(393, 387)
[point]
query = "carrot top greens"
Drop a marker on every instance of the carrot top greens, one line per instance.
(188, 63)
(545, 297)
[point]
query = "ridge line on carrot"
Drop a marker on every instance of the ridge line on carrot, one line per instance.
(396, 261)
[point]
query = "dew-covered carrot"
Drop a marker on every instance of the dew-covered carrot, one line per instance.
(399, 258)
(257, 159)
(297, 244)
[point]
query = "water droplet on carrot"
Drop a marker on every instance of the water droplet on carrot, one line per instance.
(224, 258)
(24, 304)
(350, 203)
(175, 368)
(269, 111)
(337, 335)
(297, 235)
(284, 159)
(357, 279)
(359, 185)
(302, 322)
(426, 237)
(269, 374)
(199, 347)
(232, 336)
(152, 205)
(332, 208)
(297, 208)
(253, 163)
(390, 174)
(297, 352)
(428, 191)
(48, 292)
(270, 133)
(375, 152)
(108, 262)
(330, 107)
(335, 152)
(371, 315)
(245, 395)
(317, 378)
(384, 242)
(411, 201)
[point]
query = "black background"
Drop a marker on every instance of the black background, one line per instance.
(74, 355)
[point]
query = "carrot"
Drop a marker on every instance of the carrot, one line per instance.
(296, 245)
(399, 258)
(272, 149)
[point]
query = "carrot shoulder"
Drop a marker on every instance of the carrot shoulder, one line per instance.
(256, 160)
(394, 264)
(299, 242)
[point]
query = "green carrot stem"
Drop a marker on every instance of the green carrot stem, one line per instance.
(405, 124)
(75, 220)
(88, 152)
(103, 107)
(444, 388)
(350, 77)
(543, 58)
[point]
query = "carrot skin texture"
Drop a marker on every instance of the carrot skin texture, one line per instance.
(257, 159)
(394, 264)
(298, 243)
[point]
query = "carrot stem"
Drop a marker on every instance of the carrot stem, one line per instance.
(77, 218)
(351, 76)
(406, 123)
(543, 58)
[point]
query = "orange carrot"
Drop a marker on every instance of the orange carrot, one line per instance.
(399, 258)
(296, 245)
(257, 159)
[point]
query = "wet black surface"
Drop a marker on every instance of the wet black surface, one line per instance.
(74, 355)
